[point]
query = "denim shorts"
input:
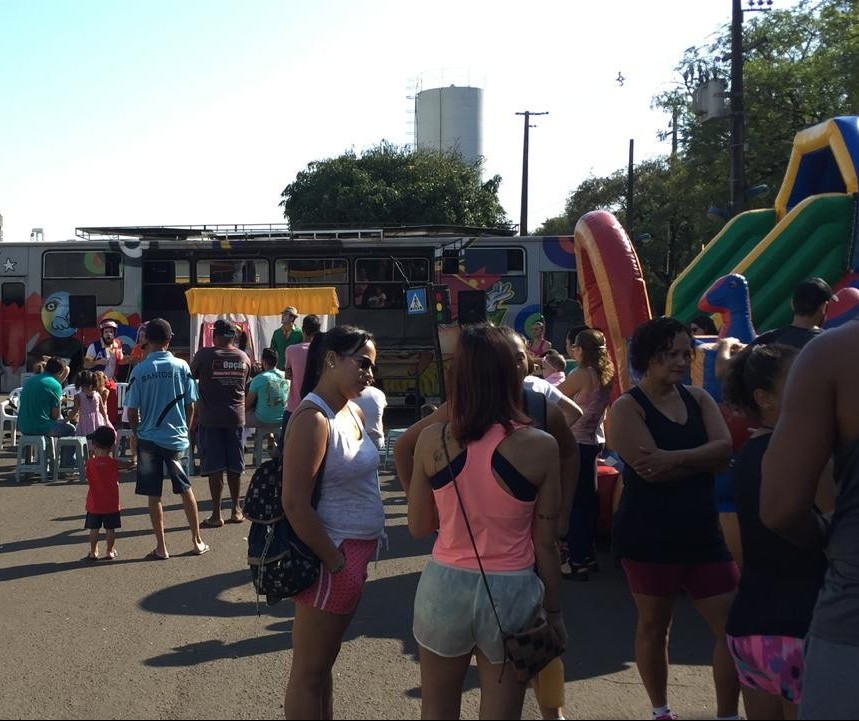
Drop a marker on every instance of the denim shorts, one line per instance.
(453, 614)
(152, 462)
(221, 449)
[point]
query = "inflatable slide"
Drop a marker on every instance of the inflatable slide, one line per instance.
(810, 231)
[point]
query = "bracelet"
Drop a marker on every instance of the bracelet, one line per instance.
(340, 566)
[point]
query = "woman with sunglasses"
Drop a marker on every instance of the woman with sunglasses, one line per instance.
(343, 529)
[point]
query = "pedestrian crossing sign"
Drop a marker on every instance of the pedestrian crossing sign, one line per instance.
(416, 301)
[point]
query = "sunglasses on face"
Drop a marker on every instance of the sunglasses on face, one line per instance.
(364, 363)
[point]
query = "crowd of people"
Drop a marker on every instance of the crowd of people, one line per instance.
(503, 477)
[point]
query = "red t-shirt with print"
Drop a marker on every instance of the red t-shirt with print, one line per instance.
(102, 475)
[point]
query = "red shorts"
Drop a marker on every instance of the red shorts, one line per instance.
(699, 580)
(340, 592)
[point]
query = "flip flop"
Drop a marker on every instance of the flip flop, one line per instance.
(155, 556)
(238, 518)
(209, 523)
(90, 557)
(110, 556)
(201, 550)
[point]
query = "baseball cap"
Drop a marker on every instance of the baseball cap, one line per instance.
(290, 309)
(103, 437)
(158, 330)
(224, 328)
(813, 292)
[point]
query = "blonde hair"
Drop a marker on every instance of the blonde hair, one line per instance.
(100, 381)
(595, 355)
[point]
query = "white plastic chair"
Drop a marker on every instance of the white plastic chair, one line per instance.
(121, 389)
(8, 418)
(25, 376)
(14, 396)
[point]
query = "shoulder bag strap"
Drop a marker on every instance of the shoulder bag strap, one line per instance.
(468, 528)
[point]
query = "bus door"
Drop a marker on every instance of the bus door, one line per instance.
(561, 309)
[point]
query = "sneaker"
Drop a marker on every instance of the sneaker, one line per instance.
(574, 571)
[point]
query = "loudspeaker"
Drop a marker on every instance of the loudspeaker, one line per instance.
(82, 311)
(472, 306)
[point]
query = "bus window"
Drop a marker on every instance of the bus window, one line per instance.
(379, 282)
(230, 271)
(504, 265)
(159, 272)
(314, 271)
(13, 294)
(91, 272)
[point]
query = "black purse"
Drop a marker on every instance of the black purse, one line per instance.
(531, 649)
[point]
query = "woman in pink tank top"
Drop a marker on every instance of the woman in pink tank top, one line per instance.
(507, 476)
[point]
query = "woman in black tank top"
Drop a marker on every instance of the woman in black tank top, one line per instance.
(672, 439)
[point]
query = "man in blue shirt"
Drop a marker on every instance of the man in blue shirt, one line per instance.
(160, 400)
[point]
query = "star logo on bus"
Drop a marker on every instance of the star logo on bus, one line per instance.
(9, 265)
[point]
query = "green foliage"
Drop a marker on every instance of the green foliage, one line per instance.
(387, 186)
(799, 69)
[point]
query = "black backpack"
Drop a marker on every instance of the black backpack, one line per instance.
(281, 564)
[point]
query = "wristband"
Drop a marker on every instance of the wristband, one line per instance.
(340, 566)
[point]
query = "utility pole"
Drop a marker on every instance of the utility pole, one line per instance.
(738, 140)
(523, 211)
(738, 104)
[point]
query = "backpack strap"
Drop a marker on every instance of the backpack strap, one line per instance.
(317, 487)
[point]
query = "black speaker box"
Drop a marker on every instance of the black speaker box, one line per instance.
(82, 311)
(472, 306)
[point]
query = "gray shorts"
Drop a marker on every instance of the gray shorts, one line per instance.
(453, 614)
(829, 687)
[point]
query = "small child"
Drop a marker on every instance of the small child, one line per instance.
(102, 500)
(89, 405)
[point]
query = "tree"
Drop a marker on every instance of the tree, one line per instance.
(387, 186)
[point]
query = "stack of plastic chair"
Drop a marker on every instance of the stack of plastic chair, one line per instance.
(390, 440)
(260, 434)
(8, 420)
(79, 444)
(35, 454)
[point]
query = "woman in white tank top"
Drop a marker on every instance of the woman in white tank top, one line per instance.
(344, 525)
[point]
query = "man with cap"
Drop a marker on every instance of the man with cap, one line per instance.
(223, 372)
(160, 401)
(286, 335)
(105, 353)
(810, 299)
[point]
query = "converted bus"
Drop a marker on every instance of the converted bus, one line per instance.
(53, 293)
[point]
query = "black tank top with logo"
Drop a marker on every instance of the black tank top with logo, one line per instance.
(669, 521)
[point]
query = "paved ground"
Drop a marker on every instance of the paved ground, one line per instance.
(181, 639)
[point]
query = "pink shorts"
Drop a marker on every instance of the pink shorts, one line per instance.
(340, 592)
(772, 664)
(699, 580)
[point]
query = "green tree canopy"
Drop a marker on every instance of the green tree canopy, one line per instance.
(387, 186)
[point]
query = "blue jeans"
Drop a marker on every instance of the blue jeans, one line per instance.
(62, 429)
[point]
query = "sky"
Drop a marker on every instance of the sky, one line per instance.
(192, 112)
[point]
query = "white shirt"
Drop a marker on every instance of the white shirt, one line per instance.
(373, 402)
(542, 386)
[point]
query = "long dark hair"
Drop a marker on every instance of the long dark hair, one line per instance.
(342, 340)
(484, 383)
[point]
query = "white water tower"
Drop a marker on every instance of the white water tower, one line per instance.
(450, 119)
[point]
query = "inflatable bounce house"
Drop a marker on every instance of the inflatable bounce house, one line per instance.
(747, 273)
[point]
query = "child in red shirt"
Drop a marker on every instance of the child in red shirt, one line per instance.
(102, 500)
